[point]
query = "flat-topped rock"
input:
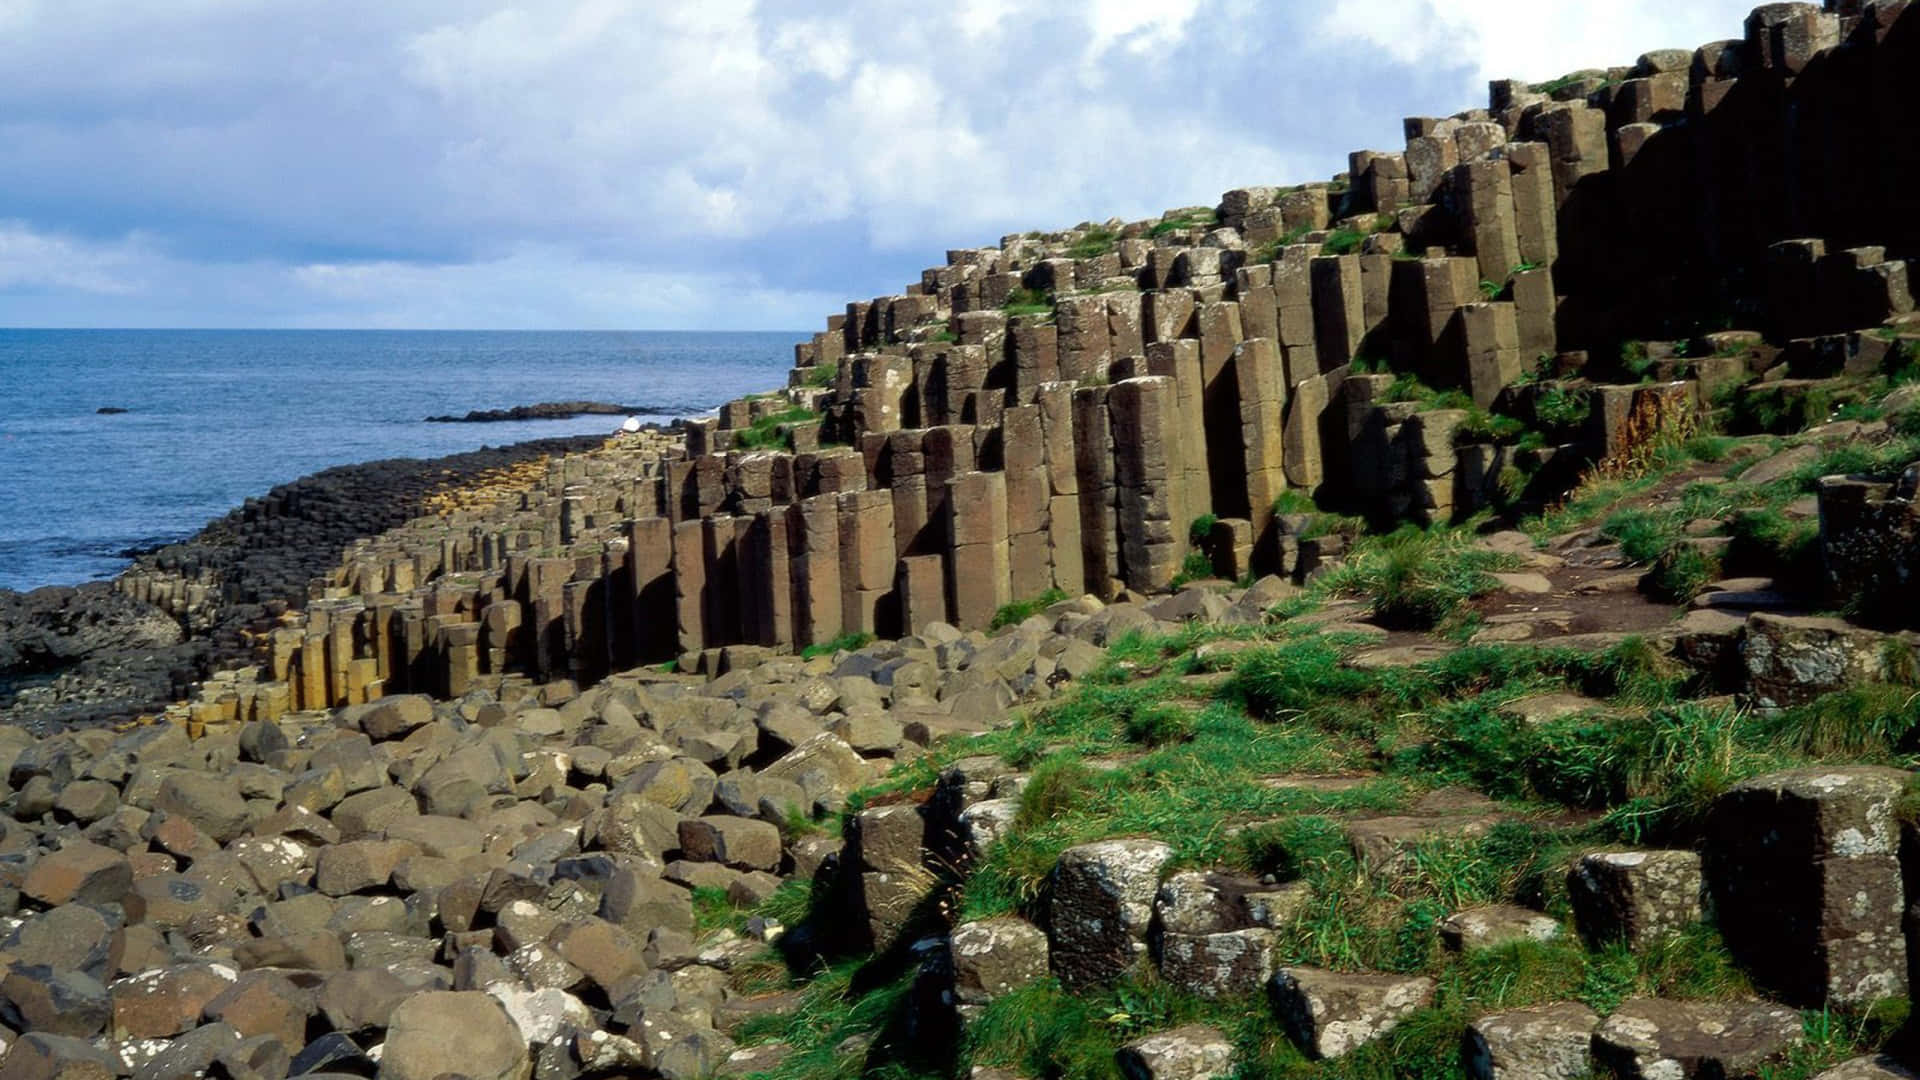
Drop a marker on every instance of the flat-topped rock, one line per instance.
(1495, 925)
(1655, 1039)
(1194, 1052)
(1330, 1014)
(1546, 1042)
(1638, 897)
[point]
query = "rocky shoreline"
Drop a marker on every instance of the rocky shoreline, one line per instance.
(85, 655)
(549, 410)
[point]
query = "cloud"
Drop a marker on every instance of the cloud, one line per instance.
(249, 162)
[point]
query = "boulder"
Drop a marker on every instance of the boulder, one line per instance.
(1547, 1042)
(451, 1032)
(1100, 907)
(1194, 1052)
(742, 843)
(1638, 897)
(1789, 660)
(79, 873)
(995, 957)
(1655, 1039)
(1330, 1014)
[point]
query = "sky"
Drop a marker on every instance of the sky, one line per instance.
(681, 164)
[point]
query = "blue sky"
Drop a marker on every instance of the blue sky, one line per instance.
(660, 164)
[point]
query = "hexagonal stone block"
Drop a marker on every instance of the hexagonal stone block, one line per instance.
(995, 957)
(1101, 906)
(1330, 1013)
(1547, 1042)
(1805, 877)
(1194, 1052)
(743, 843)
(1655, 1039)
(1635, 896)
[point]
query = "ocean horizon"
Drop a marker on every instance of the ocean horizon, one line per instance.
(214, 416)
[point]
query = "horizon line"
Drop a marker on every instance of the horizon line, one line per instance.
(391, 330)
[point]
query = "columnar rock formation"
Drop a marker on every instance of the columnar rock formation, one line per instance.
(1055, 412)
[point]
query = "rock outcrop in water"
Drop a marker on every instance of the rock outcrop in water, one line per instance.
(550, 410)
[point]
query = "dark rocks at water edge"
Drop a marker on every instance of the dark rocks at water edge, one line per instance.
(109, 410)
(547, 410)
(89, 654)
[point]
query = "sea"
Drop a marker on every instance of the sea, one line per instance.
(215, 416)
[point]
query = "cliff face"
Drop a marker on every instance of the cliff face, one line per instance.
(1059, 411)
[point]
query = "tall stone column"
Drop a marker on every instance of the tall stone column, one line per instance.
(690, 586)
(866, 563)
(1093, 460)
(813, 535)
(1064, 541)
(1143, 414)
(1029, 491)
(1262, 404)
(979, 576)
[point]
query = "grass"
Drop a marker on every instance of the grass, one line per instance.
(1418, 579)
(1343, 242)
(1025, 301)
(848, 642)
(1021, 610)
(1196, 218)
(821, 376)
(1195, 567)
(1093, 243)
(770, 432)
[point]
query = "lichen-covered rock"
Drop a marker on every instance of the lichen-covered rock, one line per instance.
(1638, 897)
(995, 957)
(1654, 1039)
(1330, 1014)
(1194, 1052)
(1547, 1042)
(1214, 932)
(1495, 925)
(1806, 881)
(1791, 659)
(1101, 907)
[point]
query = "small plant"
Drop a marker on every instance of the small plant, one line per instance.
(1635, 360)
(1558, 407)
(1343, 242)
(1195, 567)
(1025, 301)
(850, 642)
(1094, 243)
(1202, 528)
(821, 376)
(1417, 579)
(1021, 610)
(771, 432)
(1492, 290)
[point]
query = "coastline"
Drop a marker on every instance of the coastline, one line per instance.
(84, 654)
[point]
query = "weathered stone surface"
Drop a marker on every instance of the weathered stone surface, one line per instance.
(1330, 1014)
(1652, 1039)
(466, 1034)
(1878, 1067)
(1635, 896)
(1101, 906)
(1548, 1042)
(1496, 925)
(1194, 1052)
(995, 957)
(1805, 877)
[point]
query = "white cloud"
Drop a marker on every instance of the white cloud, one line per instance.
(568, 160)
(1529, 40)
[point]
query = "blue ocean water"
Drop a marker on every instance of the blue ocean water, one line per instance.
(217, 416)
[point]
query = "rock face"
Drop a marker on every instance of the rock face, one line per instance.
(1496, 925)
(1790, 660)
(1330, 1014)
(1102, 904)
(1195, 1052)
(1878, 1067)
(1805, 874)
(1651, 1039)
(1214, 933)
(1549, 1042)
(1635, 896)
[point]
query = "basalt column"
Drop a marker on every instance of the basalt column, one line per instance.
(1262, 400)
(766, 580)
(650, 569)
(1220, 334)
(1093, 463)
(690, 586)
(978, 571)
(1144, 415)
(1023, 461)
(1064, 543)
(813, 536)
(1180, 361)
(867, 564)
